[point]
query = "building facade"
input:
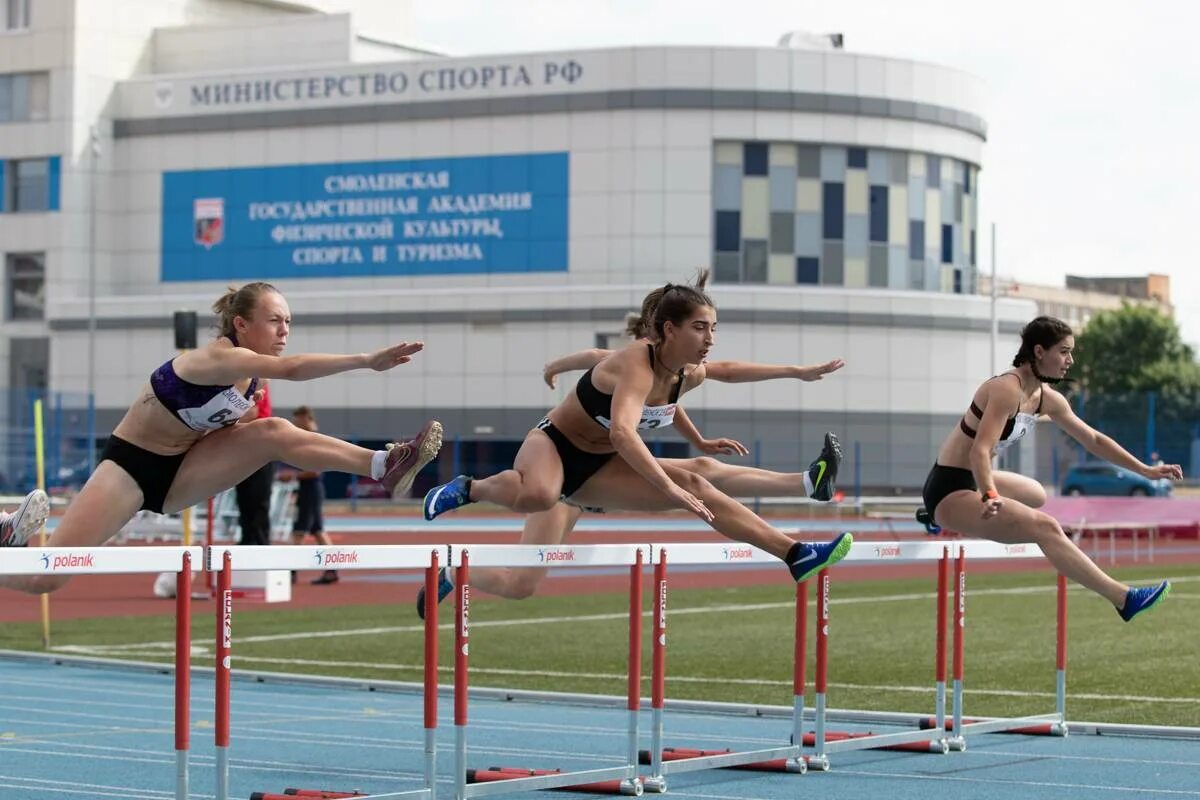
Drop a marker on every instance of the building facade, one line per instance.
(503, 209)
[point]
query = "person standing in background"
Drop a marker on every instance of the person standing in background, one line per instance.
(254, 493)
(310, 496)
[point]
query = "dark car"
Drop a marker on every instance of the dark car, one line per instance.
(1107, 479)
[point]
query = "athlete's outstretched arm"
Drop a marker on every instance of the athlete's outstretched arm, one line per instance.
(581, 359)
(224, 365)
(747, 371)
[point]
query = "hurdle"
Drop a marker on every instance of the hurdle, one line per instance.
(622, 779)
(225, 560)
(665, 761)
(934, 731)
(130, 561)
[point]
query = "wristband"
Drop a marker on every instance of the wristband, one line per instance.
(990, 494)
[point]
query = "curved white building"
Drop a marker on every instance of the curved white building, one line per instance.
(504, 209)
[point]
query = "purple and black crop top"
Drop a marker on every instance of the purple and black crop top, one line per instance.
(201, 408)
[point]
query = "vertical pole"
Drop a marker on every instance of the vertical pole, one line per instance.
(940, 657)
(208, 542)
(94, 142)
(858, 472)
(183, 676)
(819, 759)
(39, 454)
(658, 661)
(223, 666)
(958, 741)
(995, 323)
(462, 617)
(634, 689)
(431, 674)
(1061, 657)
(799, 669)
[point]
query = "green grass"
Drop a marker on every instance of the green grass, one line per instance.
(881, 646)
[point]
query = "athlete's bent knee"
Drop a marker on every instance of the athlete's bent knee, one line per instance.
(530, 500)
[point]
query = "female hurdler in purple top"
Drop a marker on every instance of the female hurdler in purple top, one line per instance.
(178, 444)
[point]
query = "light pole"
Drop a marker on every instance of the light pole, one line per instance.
(995, 279)
(94, 149)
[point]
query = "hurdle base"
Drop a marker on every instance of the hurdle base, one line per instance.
(795, 764)
(627, 786)
(304, 794)
(1048, 729)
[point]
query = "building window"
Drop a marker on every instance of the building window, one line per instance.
(24, 96)
(16, 16)
(26, 285)
(28, 185)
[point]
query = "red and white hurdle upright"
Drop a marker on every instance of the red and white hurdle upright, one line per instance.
(131, 561)
(621, 779)
(225, 560)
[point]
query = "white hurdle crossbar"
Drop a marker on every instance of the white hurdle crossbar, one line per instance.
(225, 560)
(122, 561)
(615, 780)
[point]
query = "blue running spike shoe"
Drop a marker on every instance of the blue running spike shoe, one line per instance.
(1143, 598)
(445, 587)
(926, 519)
(17, 528)
(448, 497)
(823, 472)
(806, 560)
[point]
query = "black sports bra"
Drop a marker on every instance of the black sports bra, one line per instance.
(1017, 425)
(598, 405)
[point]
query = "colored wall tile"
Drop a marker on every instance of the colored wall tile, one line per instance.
(898, 168)
(808, 270)
(856, 273)
(916, 198)
(947, 248)
(729, 153)
(781, 270)
(727, 231)
(879, 213)
(856, 236)
(783, 233)
(728, 268)
(916, 165)
(833, 164)
(782, 180)
(833, 211)
(754, 208)
(754, 261)
(898, 214)
(727, 187)
(808, 194)
(856, 191)
(916, 239)
(807, 240)
(877, 266)
(897, 267)
(754, 158)
(808, 161)
(933, 171)
(879, 167)
(933, 218)
(782, 154)
(832, 264)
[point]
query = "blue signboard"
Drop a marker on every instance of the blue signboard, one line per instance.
(440, 216)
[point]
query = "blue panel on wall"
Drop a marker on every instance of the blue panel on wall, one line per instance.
(808, 270)
(916, 240)
(728, 230)
(879, 213)
(833, 209)
(856, 158)
(3, 190)
(727, 187)
(53, 180)
(754, 157)
(438, 216)
(947, 244)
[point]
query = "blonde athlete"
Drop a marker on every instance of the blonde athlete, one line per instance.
(179, 443)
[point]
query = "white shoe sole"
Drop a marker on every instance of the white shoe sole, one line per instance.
(30, 516)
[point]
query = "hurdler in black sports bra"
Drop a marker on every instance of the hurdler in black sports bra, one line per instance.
(1015, 428)
(598, 405)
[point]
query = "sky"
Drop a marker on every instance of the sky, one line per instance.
(1093, 109)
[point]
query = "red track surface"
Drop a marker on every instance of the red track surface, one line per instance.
(130, 595)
